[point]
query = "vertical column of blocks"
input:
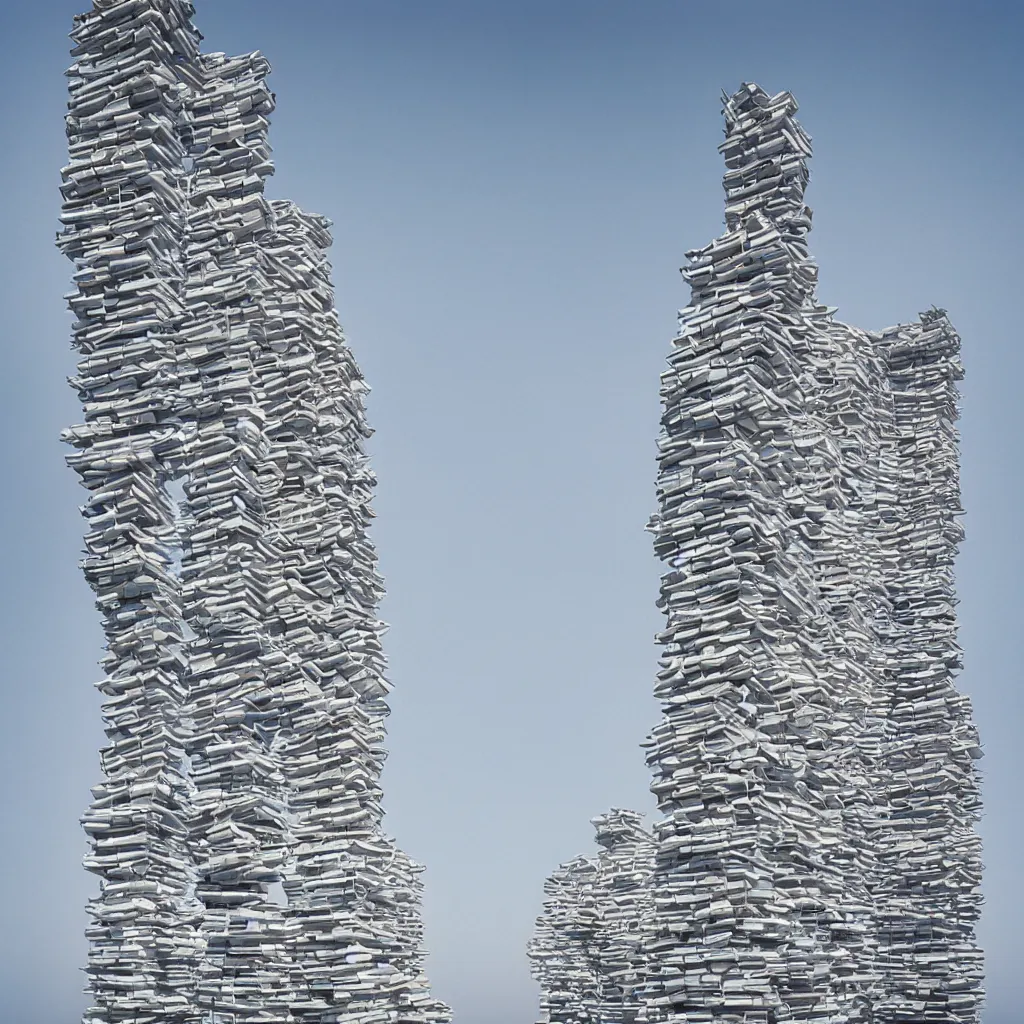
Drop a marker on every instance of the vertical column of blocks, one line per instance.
(816, 857)
(237, 832)
(123, 215)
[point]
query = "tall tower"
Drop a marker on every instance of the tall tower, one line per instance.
(816, 854)
(237, 830)
(815, 858)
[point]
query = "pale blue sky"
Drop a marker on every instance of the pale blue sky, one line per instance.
(514, 186)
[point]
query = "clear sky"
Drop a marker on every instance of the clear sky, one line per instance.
(514, 186)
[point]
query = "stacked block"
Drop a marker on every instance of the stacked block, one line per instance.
(237, 831)
(587, 952)
(815, 856)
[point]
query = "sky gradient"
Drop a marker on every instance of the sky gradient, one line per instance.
(514, 186)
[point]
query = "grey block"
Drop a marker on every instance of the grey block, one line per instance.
(237, 831)
(816, 857)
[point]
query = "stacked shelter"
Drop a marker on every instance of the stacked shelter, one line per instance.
(587, 952)
(561, 951)
(929, 852)
(237, 833)
(815, 858)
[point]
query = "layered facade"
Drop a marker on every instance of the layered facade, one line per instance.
(586, 953)
(237, 830)
(815, 853)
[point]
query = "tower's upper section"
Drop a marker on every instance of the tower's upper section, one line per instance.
(766, 152)
(761, 262)
(618, 826)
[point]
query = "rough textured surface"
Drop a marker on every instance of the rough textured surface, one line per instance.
(815, 854)
(237, 832)
(586, 952)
